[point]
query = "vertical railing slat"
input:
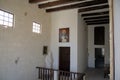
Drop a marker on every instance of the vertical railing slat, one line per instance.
(70, 76)
(74, 76)
(43, 75)
(39, 73)
(62, 75)
(48, 74)
(53, 74)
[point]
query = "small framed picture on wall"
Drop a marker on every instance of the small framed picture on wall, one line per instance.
(45, 50)
(64, 35)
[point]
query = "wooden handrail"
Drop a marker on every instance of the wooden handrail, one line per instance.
(54, 74)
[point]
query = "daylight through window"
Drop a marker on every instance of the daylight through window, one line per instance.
(6, 18)
(36, 27)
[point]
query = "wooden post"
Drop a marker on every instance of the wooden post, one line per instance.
(112, 63)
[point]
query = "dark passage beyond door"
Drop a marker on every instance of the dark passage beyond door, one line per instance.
(99, 58)
(64, 58)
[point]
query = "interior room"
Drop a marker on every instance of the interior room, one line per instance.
(59, 40)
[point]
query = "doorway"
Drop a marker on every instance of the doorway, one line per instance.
(99, 57)
(64, 58)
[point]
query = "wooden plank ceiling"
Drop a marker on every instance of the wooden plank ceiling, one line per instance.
(92, 11)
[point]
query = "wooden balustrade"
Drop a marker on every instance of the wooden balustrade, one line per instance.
(52, 74)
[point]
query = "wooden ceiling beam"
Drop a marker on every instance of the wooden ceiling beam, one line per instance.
(98, 23)
(98, 17)
(97, 20)
(55, 3)
(94, 14)
(36, 1)
(78, 5)
(93, 8)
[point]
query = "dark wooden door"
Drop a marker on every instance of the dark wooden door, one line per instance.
(64, 58)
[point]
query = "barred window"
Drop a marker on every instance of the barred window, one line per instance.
(6, 18)
(36, 27)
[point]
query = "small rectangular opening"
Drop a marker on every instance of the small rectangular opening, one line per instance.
(99, 35)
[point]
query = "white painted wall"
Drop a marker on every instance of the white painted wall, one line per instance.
(21, 42)
(64, 19)
(91, 46)
(117, 38)
(82, 45)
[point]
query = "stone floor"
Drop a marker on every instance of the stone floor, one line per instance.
(95, 74)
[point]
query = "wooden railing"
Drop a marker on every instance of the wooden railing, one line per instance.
(52, 74)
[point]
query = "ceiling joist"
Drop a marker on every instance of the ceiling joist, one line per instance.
(36, 1)
(95, 13)
(93, 8)
(97, 20)
(78, 5)
(98, 17)
(98, 23)
(55, 3)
